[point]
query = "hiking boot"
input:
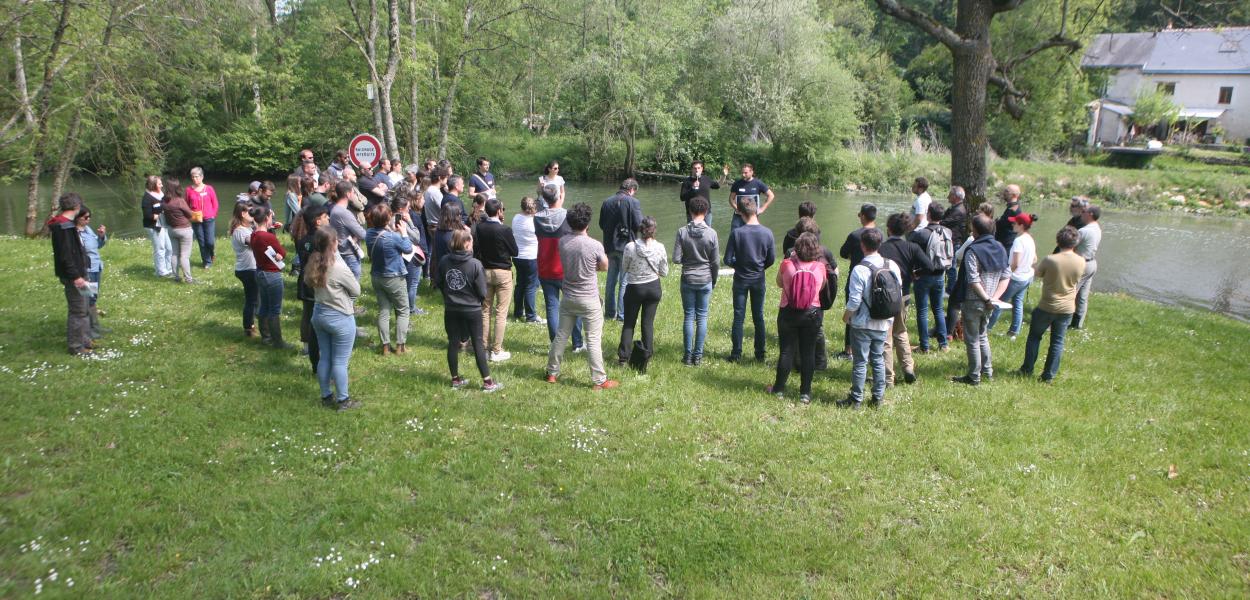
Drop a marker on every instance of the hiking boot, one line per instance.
(386, 349)
(696, 360)
(909, 376)
(401, 349)
(687, 360)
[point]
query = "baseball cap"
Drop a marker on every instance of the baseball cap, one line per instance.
(1023, 218)
(253, 186)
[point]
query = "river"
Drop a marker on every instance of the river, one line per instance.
(1171, 258)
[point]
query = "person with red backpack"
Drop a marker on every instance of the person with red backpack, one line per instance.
(800, 278)
(874, 295)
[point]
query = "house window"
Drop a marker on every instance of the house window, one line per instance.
(1226, 95)
(1167, 87)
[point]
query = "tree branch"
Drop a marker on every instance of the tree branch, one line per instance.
(1001, 6)
(923, 22)
(1056, 41)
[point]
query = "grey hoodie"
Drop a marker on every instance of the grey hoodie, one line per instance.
(697, 250)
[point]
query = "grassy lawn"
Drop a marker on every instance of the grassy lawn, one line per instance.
(187, 461)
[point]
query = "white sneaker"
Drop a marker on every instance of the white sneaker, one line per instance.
(579, 350)
(500, 356)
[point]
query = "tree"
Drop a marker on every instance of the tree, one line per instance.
(1154, 108)
(975, 68)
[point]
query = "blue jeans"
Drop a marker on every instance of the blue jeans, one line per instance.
(1016, 291)
(336, 334)
(867, 345)
(414, 282)
(1038, 324)
(94, 277)
(162, 251)
(270, 286)
(551, 298)
(251, 296)
(929, 298)
(614, 304)
(206, 237)
(756, 291)
(525, 294)
(353, 263)
(694, 302)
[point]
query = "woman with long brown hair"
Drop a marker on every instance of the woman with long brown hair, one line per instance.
(336, 290)
(178, 216)
(245, 264)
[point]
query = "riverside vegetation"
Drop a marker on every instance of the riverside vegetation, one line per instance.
(186, 460)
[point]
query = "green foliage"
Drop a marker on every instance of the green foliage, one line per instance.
(254, 147)
(1154, 108)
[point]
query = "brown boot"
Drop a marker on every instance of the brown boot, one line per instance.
(250, 331)
(402, 349)
(386, 349)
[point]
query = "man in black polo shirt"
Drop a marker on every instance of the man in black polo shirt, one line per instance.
(748, 188)
(701, 186)
(910, 258)
(853, 251)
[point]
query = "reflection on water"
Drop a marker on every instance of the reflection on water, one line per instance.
(1171, 258)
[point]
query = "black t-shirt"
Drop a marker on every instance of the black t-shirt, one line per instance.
(852, 249)
(1002, 228)
(754, 189)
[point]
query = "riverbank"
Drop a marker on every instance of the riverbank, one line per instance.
(186, 457)
(1176, 181)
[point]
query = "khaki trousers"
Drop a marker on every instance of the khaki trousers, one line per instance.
(495, 307)
(899, 340)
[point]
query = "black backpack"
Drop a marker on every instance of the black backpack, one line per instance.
(885, 292)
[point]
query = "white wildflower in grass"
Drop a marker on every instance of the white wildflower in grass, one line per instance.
(352, 573)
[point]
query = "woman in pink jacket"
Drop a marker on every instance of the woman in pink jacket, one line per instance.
(203, 199)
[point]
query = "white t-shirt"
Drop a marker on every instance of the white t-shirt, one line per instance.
(920, 208)
(1027, 251)
(526, 239)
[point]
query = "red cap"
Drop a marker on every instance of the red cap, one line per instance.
(1023, 218)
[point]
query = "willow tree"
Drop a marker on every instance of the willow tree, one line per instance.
(975, 69)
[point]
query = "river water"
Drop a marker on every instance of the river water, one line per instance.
(1200, 262)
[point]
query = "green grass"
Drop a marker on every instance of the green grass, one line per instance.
(191, 462)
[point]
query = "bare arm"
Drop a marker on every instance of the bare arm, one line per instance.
(767, 202)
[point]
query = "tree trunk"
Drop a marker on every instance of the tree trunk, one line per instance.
(630, 151)
(255, 84)
(67, 153)
(449, 104)
(388, 78)
(41, 129)
(974, 63)
(415, 117)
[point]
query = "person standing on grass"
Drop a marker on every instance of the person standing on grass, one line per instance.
(954, 219)
(293, 199)
(483, 181)
(582, 257)
(1023, 255)
(267, 249)
(939, 247)
(698, 184)
(403, 207)
(451, 197)
(911, 259)
(618, 219)
(868, 334)
(463, 283)
(807, 209)
(1087, 247)
(696, 250)
(152, 206)
(984, 275)
(348, 231)
(525, 294)
(309, 220)
(335, 290)
(70, 262)
(337, 165)
(644, 262)
(92, 241)
(1061, 275)
(202, 199)
(799, 317)
(551, 176)
(495, 247)
(241, 224)
(178, 215)
(852, 250)
(432, 211)
(550, 226)
(388, 242)
(920, 206)
(750, 251)
(748, 188)
(808, 225)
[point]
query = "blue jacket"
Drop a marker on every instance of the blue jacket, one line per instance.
(386, 252)
(91, 244)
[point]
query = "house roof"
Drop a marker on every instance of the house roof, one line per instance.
(1212, 51)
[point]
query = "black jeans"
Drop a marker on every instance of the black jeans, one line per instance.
(308, 335)
(251, 296)
(796, 333)
(644, 297)
(461, 325)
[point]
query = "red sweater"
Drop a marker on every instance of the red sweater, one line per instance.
(262, 240)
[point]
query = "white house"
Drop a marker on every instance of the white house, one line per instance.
(1206, 71)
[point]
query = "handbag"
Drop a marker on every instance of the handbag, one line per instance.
(197, 216)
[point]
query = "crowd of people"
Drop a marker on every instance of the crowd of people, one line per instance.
(965, 270)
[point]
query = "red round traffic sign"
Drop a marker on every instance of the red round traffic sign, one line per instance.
(365, 150)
